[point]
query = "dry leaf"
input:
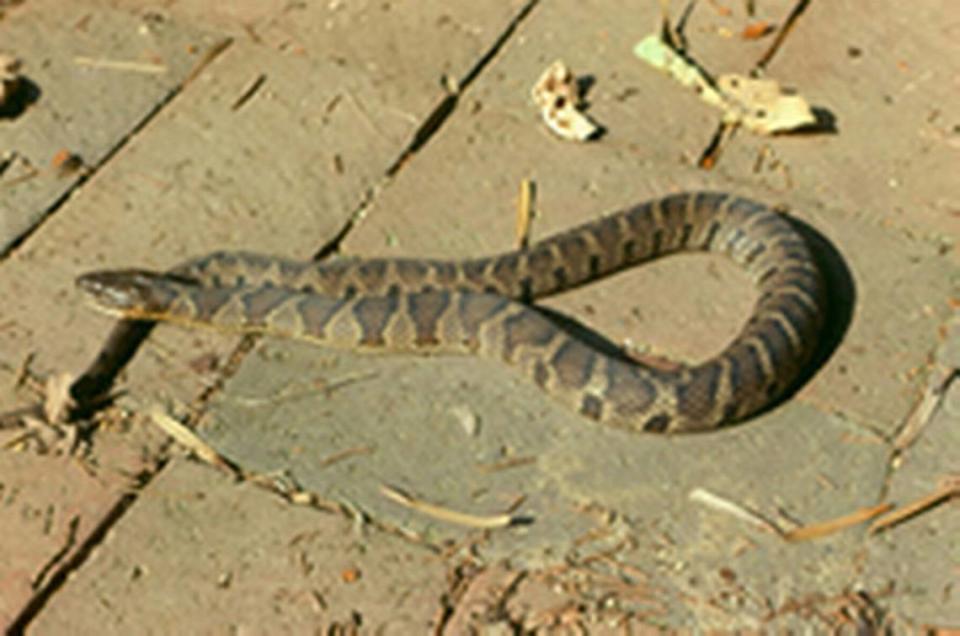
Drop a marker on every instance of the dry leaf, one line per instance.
(760, 105)
(756, 30)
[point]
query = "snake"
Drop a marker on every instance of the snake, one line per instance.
(486, 306)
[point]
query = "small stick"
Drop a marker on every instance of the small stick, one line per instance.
(209, 55)
(937, 497)
(187, 438)
(283, 486)
(446, 514)
(725, 505)
(512, 462)
(798, 9)
(525, 203)
(252, 87)
(20, 178)
(923, 412)
(339, 456)
(120, 65)
(822, 529)
(804, 533)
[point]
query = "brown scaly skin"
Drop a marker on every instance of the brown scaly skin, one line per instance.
(478, 306)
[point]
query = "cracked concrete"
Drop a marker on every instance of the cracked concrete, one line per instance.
(278, 128)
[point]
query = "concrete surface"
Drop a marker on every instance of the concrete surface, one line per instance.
(270, 127)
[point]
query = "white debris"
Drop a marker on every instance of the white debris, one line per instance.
(467, 419)
(557, 95)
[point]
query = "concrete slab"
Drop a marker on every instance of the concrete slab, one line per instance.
(920, 561)
(44, 521)
(76, 57)
(195, 181)
(199, 550)
(576, 183)
(282, 136)
(159, 201)
(886, 86)
(449, 202)
(586, 489)
(53, 507)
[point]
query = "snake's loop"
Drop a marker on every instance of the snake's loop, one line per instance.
(479, 306)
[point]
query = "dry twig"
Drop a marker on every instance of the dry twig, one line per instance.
(831, 526)
(944, 493)
(120, 65)
(185, 436)
(525, 203)
(803, 533)
(446, 514)
(925, 409)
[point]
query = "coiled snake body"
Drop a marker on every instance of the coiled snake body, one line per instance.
(480, 306)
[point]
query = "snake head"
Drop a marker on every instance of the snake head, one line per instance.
(131, 293)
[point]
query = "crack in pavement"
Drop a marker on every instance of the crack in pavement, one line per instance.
(88, 172)
(45, 590)
(52, 562)
(425, 132)
(423, 135)
(59, 577)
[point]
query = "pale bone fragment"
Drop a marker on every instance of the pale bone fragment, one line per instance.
(557, 96)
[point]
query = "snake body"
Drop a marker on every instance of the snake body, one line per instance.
(482, 306)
